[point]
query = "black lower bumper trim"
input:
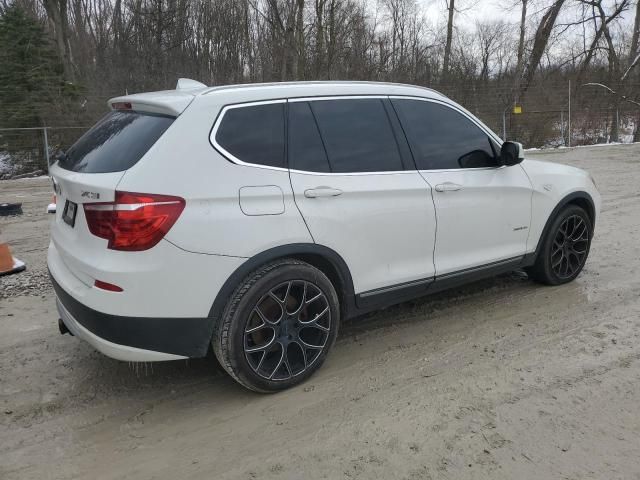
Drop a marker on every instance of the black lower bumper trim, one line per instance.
(188, 337)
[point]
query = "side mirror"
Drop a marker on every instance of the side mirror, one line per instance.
(511, 153)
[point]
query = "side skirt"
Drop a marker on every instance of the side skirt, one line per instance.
(387, 296)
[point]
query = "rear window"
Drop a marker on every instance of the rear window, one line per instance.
(115, 143)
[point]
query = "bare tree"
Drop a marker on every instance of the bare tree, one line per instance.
(521, 41)
(58, 19)
(540, 41)
(451, 9)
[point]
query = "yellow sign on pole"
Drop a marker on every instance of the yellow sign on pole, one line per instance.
(517, 109)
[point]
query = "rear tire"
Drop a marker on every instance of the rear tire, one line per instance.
(278, 326)
(565, 248)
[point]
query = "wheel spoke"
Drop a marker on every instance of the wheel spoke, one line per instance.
(313, 323)
(261, 348)
(302, 303)
(311, 346)
(304, 353)
(286, 362)
(286, 295)
(579, 252)
(282, 302)
(317, 317)
(311, 300)
(264, 355)
(255, 329)
(554, 265)
(279, 364)
(264, 318)
(575, 236)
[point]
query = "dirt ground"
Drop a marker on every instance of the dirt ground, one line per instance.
(503, 379)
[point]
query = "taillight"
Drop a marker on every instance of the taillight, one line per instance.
(134, 221)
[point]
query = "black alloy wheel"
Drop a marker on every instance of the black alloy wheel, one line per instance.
(565, 248)
(570, 247)
(287, 329)
(278, 326)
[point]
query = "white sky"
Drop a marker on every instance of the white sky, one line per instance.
(472, 10)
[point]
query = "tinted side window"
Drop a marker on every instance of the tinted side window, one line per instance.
(306, 151)
(357, 135)
(254, 134)
(442, 138)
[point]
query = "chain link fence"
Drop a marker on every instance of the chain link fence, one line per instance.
(548, 116)
(29, 151)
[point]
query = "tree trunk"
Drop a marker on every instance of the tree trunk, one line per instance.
(300, 47)
(319, 53)
(521, 39)
(633, 48)
(57, 16)
(447, 46)
(540, 42)
(332, 38)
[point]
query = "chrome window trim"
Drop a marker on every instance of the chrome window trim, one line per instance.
(473, 120)
(336, 97)
(392, 172)
(232, 158)
(224, 152)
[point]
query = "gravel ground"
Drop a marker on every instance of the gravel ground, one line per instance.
(27, 235)
(501, 379)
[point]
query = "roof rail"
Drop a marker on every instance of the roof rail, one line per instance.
(188, 84)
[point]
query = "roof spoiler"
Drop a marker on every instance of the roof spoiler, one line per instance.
(188, 84)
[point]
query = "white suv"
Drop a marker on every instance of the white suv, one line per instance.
(254, 218)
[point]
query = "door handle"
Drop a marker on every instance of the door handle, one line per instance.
(322, 192)
(448, 187)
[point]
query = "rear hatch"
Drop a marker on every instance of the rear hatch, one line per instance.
(86, 178)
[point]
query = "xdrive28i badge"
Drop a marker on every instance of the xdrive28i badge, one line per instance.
(90, 195)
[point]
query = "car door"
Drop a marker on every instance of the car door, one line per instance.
(483, 208)
(357, 195)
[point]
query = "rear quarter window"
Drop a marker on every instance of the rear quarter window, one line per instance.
(253, 134)
(116, 143)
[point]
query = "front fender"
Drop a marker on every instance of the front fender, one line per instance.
(554, 186)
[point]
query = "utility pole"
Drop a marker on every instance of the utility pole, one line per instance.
(569, 121)
(46, 147)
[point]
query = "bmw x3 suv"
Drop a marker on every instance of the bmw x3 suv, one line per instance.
(253, 219)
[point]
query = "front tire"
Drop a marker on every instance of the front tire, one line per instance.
(278, 326)
(565, 248)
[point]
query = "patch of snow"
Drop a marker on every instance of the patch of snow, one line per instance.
(6, 166)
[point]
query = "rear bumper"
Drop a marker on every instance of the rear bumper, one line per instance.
(163, 311)
(136, 339)
(110, 349)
